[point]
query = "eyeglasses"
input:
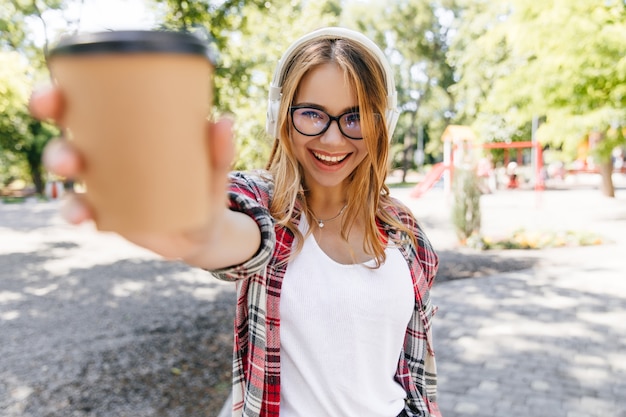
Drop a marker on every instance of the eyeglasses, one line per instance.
(311, 121)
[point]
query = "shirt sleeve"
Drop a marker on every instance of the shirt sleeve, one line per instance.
(427, 256)
(425, 253)
(250, 196)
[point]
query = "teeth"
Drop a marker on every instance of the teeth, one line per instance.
(333, 159)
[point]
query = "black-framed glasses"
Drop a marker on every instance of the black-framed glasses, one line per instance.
(311, 121)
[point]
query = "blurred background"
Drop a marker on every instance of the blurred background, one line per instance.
(511, 137)
(549, 73)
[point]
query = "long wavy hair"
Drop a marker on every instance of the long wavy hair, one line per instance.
(368, 194)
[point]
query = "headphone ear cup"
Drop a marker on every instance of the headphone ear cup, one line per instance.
(271, 121)
(392, 119)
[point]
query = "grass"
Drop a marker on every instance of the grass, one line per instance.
(523, 239)
(11, 199)
(401, 184)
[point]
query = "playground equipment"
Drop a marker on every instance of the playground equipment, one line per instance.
(459, 146)
(431, 178)
(54, 190)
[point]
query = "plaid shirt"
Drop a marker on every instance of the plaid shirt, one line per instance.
(256, 359)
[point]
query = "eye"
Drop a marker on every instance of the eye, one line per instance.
(352, 120)
(312, 114)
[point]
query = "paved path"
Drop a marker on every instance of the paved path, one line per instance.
(549, 341)
(544, 342)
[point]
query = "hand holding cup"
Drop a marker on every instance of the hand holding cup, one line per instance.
(136, 132)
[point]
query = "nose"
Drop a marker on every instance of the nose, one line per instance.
(333, 133)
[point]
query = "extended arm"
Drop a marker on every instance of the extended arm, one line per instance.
(228, 237)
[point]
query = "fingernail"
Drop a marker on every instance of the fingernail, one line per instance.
(72, 211)
(54, 156)
(38, 92)
(229, 119)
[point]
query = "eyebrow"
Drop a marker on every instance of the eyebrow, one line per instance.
(353, 109)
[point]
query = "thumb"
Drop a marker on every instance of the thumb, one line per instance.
(221, 146)
(221, 151)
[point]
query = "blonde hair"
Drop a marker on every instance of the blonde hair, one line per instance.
(368, 195)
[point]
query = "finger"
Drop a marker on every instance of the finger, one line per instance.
(75, 209)
(221, 146)
(61, 158)
(221, 153)
(46, 104)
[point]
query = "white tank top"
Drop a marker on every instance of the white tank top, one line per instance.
(342, 328)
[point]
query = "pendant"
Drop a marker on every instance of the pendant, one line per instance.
(320, 224)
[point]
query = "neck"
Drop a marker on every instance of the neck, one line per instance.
(321, 221)
(325, 204)
(320, 199)
(327, 207)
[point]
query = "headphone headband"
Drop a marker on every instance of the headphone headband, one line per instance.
(275, 90)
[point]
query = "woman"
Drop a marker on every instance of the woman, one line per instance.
(333, 275)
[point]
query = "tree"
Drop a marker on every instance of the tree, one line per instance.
(575, 79)
(20, 134)
(22, 64)
(582, 87)
(416, 38)
(250, 38)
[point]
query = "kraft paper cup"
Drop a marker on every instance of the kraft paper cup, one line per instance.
(136, 106)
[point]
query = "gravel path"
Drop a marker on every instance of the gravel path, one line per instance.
(92, 326)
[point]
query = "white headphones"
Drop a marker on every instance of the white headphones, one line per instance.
(271, 125)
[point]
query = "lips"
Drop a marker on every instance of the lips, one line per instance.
(330, 160)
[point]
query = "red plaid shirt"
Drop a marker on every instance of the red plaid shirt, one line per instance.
(256, 359)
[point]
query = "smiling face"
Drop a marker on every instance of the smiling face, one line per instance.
(329, 158)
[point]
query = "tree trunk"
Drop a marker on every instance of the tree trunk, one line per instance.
(606, 172)
(34, 154)
(36, 175)
(406, 158)
(408, 146)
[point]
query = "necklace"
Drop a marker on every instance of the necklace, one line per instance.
(321, 222)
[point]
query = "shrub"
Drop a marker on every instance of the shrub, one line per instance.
(466, 214)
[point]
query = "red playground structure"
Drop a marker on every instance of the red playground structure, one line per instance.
(459, 148)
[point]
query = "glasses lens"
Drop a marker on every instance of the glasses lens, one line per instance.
(350, 124)
(309, 121)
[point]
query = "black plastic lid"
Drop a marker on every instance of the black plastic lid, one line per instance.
(132, 41)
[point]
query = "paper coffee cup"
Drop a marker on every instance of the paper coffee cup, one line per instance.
(136, 106)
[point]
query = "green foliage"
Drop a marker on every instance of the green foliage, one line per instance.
(576, 77)
(491, 64)
(14, 93)
(250, 38)
(415, 36)
(560, 59)
(22, 138)
(15, 16)
(466, 214)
